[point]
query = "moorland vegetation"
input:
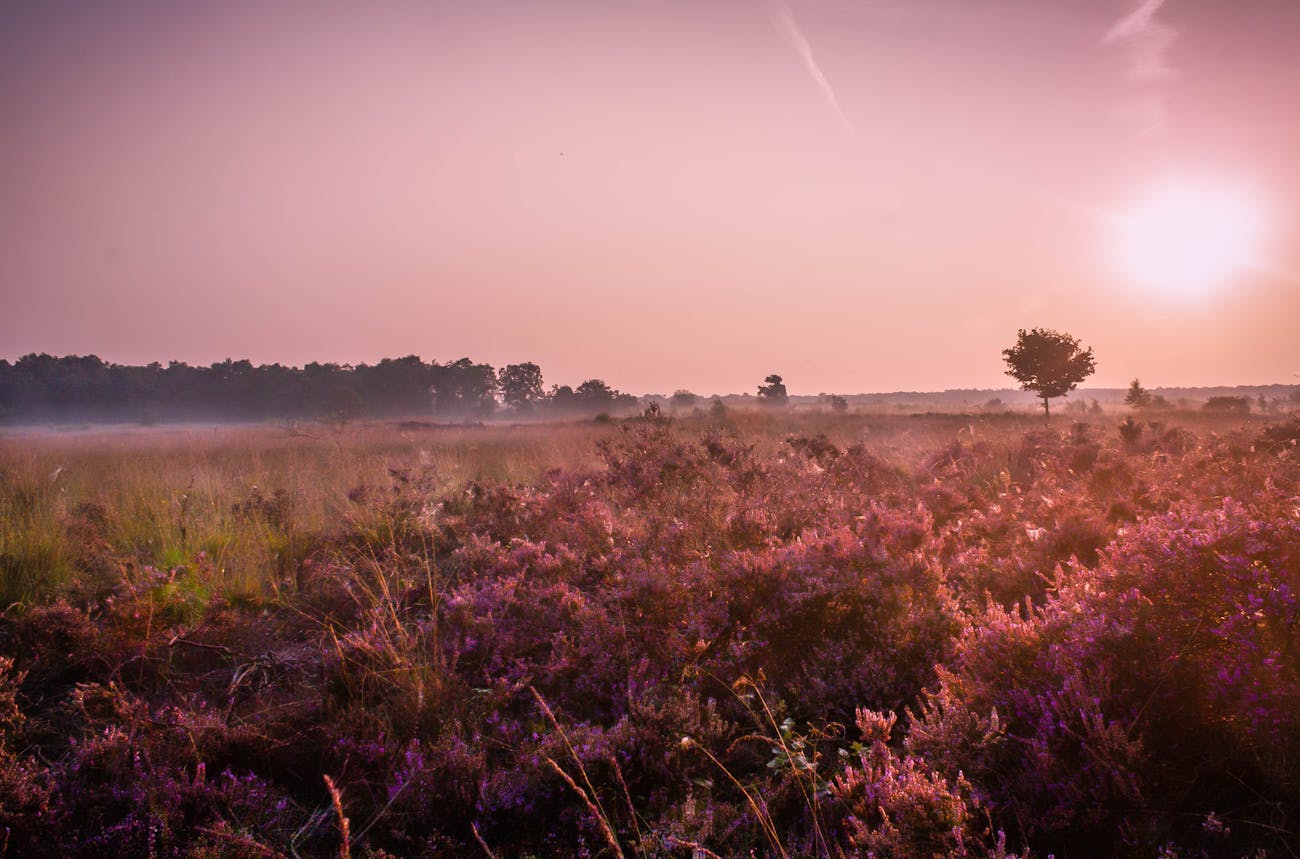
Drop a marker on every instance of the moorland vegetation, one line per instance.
(786, 635)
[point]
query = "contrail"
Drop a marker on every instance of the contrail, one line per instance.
(783, 19)
(1146, 41)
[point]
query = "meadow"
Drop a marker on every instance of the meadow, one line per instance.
(749, 633)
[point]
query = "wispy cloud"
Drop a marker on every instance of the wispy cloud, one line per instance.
(1146, 42)
(784, 20)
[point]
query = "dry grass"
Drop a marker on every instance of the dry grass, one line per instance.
(255, 500)
(252, 499)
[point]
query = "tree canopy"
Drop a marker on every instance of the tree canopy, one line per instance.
(521, 385)
(1049, 363)
(39, 388)
(773, 390)
(1138, 397)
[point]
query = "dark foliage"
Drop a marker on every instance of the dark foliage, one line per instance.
(45, 388)
(1049, 363)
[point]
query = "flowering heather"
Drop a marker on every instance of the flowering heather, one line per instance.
(719, 637)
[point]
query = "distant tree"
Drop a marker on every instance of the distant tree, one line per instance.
(464, 388)
(42, 387)
(594, 393)
(521, 385)
(562, 399)
(1049, 363)
(396, 386)
(344, 405)
(837, 403)
(1138, 397)
(590, 397)
(1228, 405)
(773, 392)
(683, 399)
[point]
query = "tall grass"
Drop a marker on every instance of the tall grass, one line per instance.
(96, 505)
(253, 500)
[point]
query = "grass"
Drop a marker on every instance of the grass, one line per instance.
(159, 496)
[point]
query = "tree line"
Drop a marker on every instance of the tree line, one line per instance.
(43, 388)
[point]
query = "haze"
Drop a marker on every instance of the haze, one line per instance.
(860, 196)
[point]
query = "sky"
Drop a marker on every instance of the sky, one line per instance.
(859, 196)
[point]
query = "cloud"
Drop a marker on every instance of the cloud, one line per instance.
(1146, 42)
(784, 20)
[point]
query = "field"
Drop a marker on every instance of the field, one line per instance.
(738, 634)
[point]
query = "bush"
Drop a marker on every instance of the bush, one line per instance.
(1229, 405)
(1158, 687)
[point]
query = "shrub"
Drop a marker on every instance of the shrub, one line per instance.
(895, 805)
(1229, 405)
(1130, 431)
(1152, 689)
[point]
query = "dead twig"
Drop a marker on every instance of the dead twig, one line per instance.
(481, 843)
(219, 648)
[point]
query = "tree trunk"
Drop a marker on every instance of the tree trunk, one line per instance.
(1047, 411)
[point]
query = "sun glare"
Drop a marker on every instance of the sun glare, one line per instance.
(1186, 240)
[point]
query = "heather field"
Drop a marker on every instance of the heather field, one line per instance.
(736, 634)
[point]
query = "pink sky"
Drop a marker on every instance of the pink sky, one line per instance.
(861, 196)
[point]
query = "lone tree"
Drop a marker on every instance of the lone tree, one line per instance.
(1049, 363)
(773, 392)
(684, 399)
(1138, 397)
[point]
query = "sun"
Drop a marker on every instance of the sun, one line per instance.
(1187, 239)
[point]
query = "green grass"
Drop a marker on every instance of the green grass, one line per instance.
(74, 505)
